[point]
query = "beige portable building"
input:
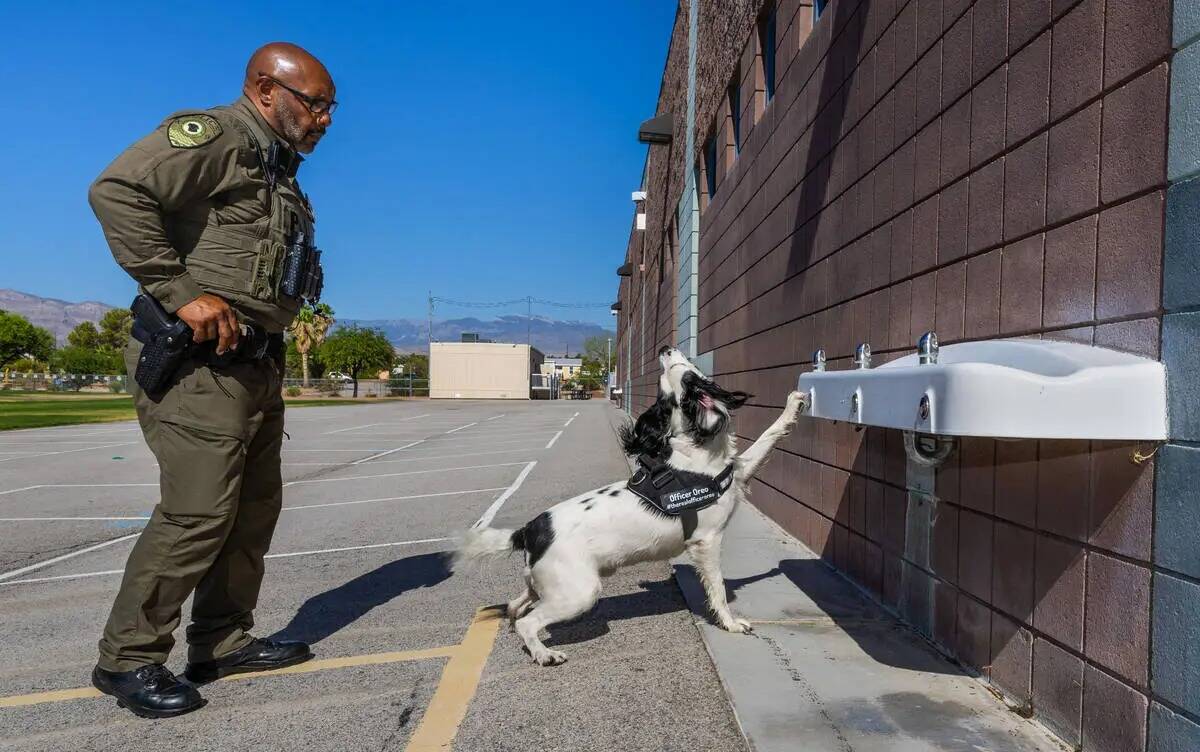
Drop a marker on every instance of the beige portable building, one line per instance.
(482, 370)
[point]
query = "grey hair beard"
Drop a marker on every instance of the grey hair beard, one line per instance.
(292, 130)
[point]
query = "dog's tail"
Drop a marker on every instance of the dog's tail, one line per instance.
(486, 542)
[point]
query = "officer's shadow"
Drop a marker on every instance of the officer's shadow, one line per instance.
(325, 614)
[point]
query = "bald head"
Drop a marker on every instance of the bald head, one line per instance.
(286, 83)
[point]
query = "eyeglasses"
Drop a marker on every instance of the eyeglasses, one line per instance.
(315, 105)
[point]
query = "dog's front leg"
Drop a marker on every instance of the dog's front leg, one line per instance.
(706, 555)
(752, 459)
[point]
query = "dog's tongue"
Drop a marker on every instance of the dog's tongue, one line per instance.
(706, 401)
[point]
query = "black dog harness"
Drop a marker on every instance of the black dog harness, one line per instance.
(674, 491)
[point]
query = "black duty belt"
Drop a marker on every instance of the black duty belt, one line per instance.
(674, 491)
(253, 344)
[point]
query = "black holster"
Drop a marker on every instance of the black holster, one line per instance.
(166, 343)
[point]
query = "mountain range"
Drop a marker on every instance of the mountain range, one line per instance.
(57, 316)
(551, 336)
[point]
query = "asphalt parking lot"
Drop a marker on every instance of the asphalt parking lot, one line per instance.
(408, 655)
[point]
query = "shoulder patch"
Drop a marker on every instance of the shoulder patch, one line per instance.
(190, 131)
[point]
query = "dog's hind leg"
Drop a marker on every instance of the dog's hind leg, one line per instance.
(567, 595)
(520, 605)
(706, 555)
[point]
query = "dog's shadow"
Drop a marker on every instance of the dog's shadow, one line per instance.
(654, 599)
(327, 613)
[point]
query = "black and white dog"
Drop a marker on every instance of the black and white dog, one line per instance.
(571, 546)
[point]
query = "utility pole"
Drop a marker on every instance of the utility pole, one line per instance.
(607, 365)
(431, 322)
(528, 320)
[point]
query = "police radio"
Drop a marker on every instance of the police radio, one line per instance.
(302, 275)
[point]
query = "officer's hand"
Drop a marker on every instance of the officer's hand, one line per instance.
(211, 317)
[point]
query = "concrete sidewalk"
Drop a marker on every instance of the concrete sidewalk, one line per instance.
(828, 669)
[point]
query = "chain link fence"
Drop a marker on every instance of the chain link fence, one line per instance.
(400, 386)
(63, 382)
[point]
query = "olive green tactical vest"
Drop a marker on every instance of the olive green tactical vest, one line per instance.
(233, 243)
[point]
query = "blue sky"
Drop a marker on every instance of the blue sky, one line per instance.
(483, 150)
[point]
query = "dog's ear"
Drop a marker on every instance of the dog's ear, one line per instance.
(732, 400)
(650, 433)
(737, 399)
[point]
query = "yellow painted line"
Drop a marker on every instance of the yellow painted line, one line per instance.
(460, 680)
(371, 659)
(447, 709)
(57, 696)
(355, 660)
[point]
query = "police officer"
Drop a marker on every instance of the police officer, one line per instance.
(200, 213)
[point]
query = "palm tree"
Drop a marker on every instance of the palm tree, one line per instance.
(309, 329)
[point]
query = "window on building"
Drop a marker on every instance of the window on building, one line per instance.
(735, 112)
(710, 166)
(766, 39)
(818, 8)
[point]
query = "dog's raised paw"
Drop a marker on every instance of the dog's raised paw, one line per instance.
(550, 658)
(797, 401)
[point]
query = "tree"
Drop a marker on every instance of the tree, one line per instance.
(597, 349)
(308, 331)
(20, 338)
(415, 365)
(354, 350)
(83, 360)
(84, 336)
(115, 325)
(294, 362)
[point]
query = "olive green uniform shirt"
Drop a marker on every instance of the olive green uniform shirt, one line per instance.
(184, 218)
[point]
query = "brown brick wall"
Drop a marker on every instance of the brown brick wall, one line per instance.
(982, 169)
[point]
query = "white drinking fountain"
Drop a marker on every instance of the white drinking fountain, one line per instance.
(1007, 389)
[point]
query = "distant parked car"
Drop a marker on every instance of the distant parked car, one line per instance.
(338, 376)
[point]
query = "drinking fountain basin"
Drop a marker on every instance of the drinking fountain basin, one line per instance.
(1033, 389)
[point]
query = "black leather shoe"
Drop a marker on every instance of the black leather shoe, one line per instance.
(150, 691)
(259, 655)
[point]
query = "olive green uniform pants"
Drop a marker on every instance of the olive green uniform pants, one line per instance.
(216, 434)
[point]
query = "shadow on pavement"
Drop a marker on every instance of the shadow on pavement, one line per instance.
(325, 614)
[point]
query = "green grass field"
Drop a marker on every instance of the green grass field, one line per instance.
(41, 409)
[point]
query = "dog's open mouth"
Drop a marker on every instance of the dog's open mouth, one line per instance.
(707, 402)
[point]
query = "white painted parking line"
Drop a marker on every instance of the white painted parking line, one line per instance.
(462, 427)
(355, 548)
(394, 475)
(79, 485)
(385, 423)
(554, 439)
(384, 454)
(64, 557)
(71, 451)
(84, 575)
(48, 442)
(491, 511)
(382, 438)
(285, 485)
(70, 519)
(357, 449)
(494, 417)
(573, 417)
(352, 428)
(419, 457)
(391, 498)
